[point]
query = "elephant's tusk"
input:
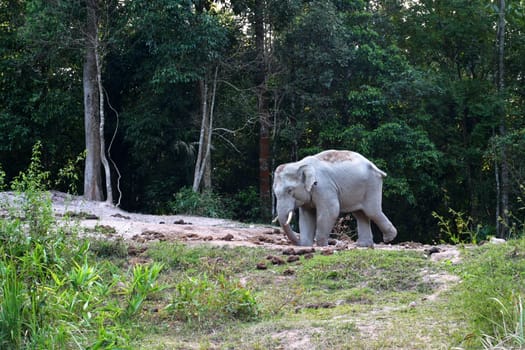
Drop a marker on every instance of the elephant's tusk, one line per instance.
(290, 233)
(274, 221)
(290, 216)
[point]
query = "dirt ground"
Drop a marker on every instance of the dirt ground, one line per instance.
(145, 228)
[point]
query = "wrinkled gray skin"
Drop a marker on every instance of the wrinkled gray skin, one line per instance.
(324, 185)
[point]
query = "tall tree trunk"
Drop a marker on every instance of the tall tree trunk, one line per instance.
(92, 169)
(103, 158)
(502, 223)
(263, 111)
(203, 162)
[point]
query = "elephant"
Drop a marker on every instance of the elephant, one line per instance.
(325, 185)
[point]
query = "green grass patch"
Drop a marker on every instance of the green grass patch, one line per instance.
(491, 294)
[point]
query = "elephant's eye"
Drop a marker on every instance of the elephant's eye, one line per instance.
(289, 190)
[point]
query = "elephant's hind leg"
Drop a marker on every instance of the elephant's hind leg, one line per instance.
(364, 231)
(388, 229)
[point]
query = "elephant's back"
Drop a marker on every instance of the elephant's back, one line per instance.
(335, 156)
(349, 160)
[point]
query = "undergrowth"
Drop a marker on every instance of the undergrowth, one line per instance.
(53, 294)
(491, 294)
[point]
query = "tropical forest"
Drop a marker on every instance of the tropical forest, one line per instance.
(187, 107)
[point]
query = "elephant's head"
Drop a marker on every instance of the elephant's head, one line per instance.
(293, 183)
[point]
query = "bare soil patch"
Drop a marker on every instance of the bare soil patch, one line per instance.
(144, 228)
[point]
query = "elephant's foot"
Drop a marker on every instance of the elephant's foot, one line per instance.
(322, 242)
(365, 243)
(390, 235)
(306, 243)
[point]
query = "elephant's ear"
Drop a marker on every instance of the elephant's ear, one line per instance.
(308, 175)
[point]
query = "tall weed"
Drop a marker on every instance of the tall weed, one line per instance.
(53, 294)
(458, 228)
(509, 327)
(492, 291)
(11, 328)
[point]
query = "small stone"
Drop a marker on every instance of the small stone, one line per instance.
(327, 252)
(289, 251)
(432, 250)
(261, 266)
(292, 258)
(228, 237)
(277, 261)
(289, 272)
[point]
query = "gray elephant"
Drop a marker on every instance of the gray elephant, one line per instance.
(324, 185)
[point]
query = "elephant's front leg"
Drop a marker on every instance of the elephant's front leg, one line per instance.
(326, 219)
(306, 226)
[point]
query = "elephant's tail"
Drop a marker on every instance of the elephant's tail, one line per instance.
(379, 171)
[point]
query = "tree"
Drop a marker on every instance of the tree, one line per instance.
(57, 26)
(501, 174)
(92, 103)
(262, 49)
(203, 162)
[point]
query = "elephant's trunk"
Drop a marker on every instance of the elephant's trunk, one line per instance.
(292, 236)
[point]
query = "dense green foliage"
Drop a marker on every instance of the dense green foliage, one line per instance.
(412, 87)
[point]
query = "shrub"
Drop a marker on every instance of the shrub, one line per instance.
(246, 205)
(207, 204)
(52, 291)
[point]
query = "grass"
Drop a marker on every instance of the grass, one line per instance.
(208, 297)
(358, 299)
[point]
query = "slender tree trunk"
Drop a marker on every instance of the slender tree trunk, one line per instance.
(92, 169)
(203, 86)
(207, 158)
(263, 111)
(203, 162)
(103, 158)
(503, 181)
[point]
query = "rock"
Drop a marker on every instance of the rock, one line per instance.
(289, 272)
(261, 266)
(275, 260)
(327, 252)
(292, 258)
(432, 250)
(309, 256)
(303, 251)
(289, 251)
(495, 240)
(228, 237)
